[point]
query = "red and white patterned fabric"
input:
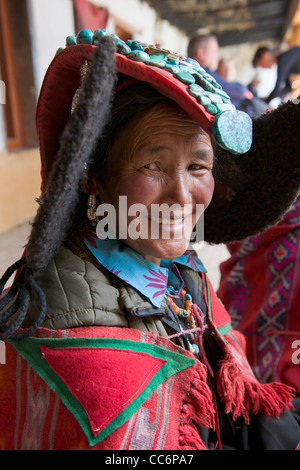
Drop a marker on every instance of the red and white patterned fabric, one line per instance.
(260, 289)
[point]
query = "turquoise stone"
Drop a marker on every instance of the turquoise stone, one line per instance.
(59, 50)
(196, 90)
(223, 94)
(209, 78)
(182, 67)
(208, 86)
(233, 131)
(159, 56)
(212, 109)
(140, 56)
(194, 63)
(185, 77)
(222, 107)
(214, 97)
(194, 71)
(135, 45)
(204, 99)
(122, 46)
(71, 41)
(173, 68)
(99, 34)
(198, 75)
(204, 83)
(85, 36)
(217, 85)
(157, 61)
(102, 32)
(173, 62)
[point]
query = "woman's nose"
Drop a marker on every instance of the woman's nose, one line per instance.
(177, 189)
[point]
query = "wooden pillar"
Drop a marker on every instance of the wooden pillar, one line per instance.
(17, 73)
(293, 34)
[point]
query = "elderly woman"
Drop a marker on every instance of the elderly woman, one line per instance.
(114, 336)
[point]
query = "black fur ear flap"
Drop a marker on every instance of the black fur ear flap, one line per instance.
(253, 191)
(85, 125)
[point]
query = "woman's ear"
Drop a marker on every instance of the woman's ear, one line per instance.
(89, 186)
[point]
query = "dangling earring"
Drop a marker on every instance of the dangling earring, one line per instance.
(91, 210)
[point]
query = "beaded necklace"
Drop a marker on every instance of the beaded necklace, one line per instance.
(186, 312)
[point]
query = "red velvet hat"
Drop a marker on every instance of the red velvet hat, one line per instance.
(181, 79)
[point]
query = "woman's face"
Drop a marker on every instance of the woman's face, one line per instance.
(163, 162)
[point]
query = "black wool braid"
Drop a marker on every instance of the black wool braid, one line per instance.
(11, 301)
(23, 301)
(78, 141)
(21, 291)
(12, 298)
(51, 223)
(9, 272)
(32, 287)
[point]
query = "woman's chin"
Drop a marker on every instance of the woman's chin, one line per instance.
(161, 249)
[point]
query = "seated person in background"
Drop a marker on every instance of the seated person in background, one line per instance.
(226, 68)
(288, 64)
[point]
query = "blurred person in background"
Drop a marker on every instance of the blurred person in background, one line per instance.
(288, 64)
(226, 68)
(204, 48)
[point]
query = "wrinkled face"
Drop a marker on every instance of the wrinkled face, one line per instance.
(162, 161)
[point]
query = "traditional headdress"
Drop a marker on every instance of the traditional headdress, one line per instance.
(69, 124)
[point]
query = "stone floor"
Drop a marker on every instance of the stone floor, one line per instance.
(13, 241)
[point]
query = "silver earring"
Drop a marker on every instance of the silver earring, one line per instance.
(92, 208)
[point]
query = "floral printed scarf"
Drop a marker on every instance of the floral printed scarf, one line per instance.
(148, 278)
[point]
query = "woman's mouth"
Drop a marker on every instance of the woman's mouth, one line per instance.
(167, 221)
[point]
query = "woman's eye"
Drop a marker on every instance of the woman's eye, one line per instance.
(195, 167)
(151, 166)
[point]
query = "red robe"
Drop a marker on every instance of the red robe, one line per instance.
(117, 388)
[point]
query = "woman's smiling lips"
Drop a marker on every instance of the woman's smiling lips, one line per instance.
(166, 221)
(169, 225)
